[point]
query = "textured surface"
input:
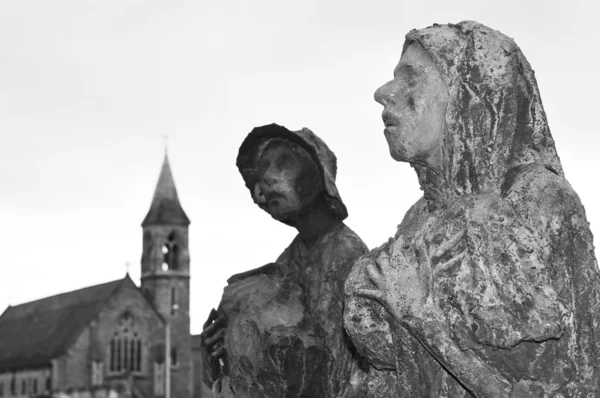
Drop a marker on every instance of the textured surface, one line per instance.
(492, 288)
(285, 335)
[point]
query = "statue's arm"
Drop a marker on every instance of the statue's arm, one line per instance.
(365, 320)
(347, 378)
(477, 285)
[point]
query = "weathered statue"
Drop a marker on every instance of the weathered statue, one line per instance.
(490, 287)
(282, 324)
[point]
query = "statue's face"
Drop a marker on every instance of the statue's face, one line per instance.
(414, 109)
(289, 181)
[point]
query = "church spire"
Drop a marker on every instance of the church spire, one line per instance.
(165, 208)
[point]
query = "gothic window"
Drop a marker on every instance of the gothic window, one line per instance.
(159, 378)
(125, 347)
(23, 387)
(170, 252)
(35, 386)
(48, 384)
(97, 373)
(1, 388)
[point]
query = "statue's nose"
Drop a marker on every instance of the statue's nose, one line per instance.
(258, 195)
(383, 94)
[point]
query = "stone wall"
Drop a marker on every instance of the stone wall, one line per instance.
(26, 382)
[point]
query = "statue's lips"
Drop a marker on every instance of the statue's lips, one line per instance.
(273, 196)
(388, 120)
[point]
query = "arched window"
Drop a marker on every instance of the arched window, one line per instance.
(125, 347)
(170, 252)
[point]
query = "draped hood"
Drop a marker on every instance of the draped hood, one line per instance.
(326, 161)
(495, 120)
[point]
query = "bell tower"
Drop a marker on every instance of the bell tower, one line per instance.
(166, 275)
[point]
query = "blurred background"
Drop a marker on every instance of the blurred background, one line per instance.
(88, 90)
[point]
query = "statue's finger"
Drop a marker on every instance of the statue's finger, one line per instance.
(211, 317)
(382, 261)
(219, 323)
(371, 294)
(208, 333)
(219, 353)
(374, 274)
(215, 337)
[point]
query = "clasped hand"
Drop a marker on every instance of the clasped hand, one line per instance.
(213, 336)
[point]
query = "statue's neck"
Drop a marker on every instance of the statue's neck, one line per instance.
(315, 223)
(432, 185)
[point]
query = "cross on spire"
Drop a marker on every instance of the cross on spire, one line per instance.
(166, 140)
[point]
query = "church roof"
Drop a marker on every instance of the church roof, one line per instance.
(34, 333)
(165, 208)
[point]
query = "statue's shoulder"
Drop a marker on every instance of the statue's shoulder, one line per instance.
(346, 237)
(276, 269)
(413, 219)
(536, 181)
(537, 192)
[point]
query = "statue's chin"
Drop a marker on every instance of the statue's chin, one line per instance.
(287, 217)
(398, 155)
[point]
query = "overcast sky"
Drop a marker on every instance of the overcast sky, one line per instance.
(88, 89)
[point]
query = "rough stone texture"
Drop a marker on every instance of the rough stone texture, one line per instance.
(285, 334)
(285, 331)
(491, 289)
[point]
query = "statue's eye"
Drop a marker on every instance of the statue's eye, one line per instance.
(284, 160)
(263, 165)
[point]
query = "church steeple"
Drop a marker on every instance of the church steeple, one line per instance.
(166, 274)
(165, 208)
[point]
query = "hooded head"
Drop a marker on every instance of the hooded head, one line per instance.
(494, 119)
(259, 138)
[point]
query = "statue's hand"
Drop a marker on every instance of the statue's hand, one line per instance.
(213, 339)
(401, 288)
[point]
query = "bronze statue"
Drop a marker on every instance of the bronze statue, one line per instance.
(281, 325)
(490, 287)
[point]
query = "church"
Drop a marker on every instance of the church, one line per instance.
(113, 337)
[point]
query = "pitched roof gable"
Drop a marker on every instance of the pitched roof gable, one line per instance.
(34, 333)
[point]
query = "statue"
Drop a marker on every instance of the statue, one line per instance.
(490, 287)
(279, 328)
